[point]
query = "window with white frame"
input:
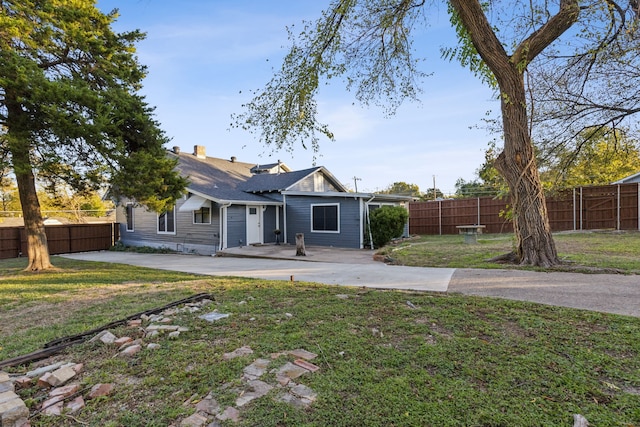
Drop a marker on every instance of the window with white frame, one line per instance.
(202, 215)
(167, 222)
(129, 213)
(325, 218)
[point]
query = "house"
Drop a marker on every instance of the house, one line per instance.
(629, 179)
(231, 203)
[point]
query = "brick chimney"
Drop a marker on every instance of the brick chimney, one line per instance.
(200, 152)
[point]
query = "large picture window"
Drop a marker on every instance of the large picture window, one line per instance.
(167, 222)
(325, 218)
(129, 212)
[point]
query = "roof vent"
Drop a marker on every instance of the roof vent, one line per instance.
(176, 149)
(233, 159)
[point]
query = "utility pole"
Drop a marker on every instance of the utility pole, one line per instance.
(434, 188)
(355, 182)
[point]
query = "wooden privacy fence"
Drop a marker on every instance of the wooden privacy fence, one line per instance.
(61, 239)
(584, 208)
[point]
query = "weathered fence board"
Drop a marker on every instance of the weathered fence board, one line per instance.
(61, 239)
(586, 208)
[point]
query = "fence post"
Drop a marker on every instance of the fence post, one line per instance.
(440, 217)
(580, 208)
(573, 208)
(618, 209)
(478, 223)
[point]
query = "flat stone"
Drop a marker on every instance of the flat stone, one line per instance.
(75, 405)
(43, 381)
(195, 420)
(130, 351)
(295, 401)
(77, 367)
(304, 392)
(256, 369)
(303, 354)
(99, 390)
(151, 334)
(134, 323)
(61, 376)
(230, 413)
(12, 410)
(257, 389)
(306, 365)
(54, 409)
(208, 405)
(8, 395)
(4, 377)
(213, 316)
(51, 402)
(43, 370)
(242, 351)
(153, 346)
(288, 372)
(6, 386)
(174, 334)
(105, 337)
(122, 340)
(65, 391)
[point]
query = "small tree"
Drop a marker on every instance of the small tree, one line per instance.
(387, 222)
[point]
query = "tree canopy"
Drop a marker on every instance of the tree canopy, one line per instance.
(70, 111)
(369, 43)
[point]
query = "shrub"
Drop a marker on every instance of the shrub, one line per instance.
(387, 222)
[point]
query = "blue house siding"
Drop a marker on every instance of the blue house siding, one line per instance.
(299, 221)
(236, 225)
(269, 223)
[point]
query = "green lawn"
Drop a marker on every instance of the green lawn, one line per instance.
(386, 358)
(608, 251)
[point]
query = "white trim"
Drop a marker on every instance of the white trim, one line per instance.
(174, 223)
(337, 205)
(133, 217)
(284, 214)
(193, 215)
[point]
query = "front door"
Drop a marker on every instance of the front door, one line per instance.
(254, 224)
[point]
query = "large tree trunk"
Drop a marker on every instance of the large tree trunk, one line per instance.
(19, 148)
(517, 163)
(37, 248)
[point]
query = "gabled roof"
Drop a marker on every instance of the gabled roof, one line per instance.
(215, 178)
(225, 180)
(264, 183)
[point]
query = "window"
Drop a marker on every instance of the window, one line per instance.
(167, 222)
(129, 214)
(325, 218)
(202, 216)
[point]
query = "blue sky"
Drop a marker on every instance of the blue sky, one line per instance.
(206, 56)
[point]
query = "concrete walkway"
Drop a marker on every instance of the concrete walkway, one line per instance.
(357, 273)
(610, 293)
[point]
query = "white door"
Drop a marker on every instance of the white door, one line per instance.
(254, 224)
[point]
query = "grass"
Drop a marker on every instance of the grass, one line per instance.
(452, 360)
(587, 251)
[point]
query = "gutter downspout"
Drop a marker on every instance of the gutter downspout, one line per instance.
(223, 225)
(366, 206)
(284, 219)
